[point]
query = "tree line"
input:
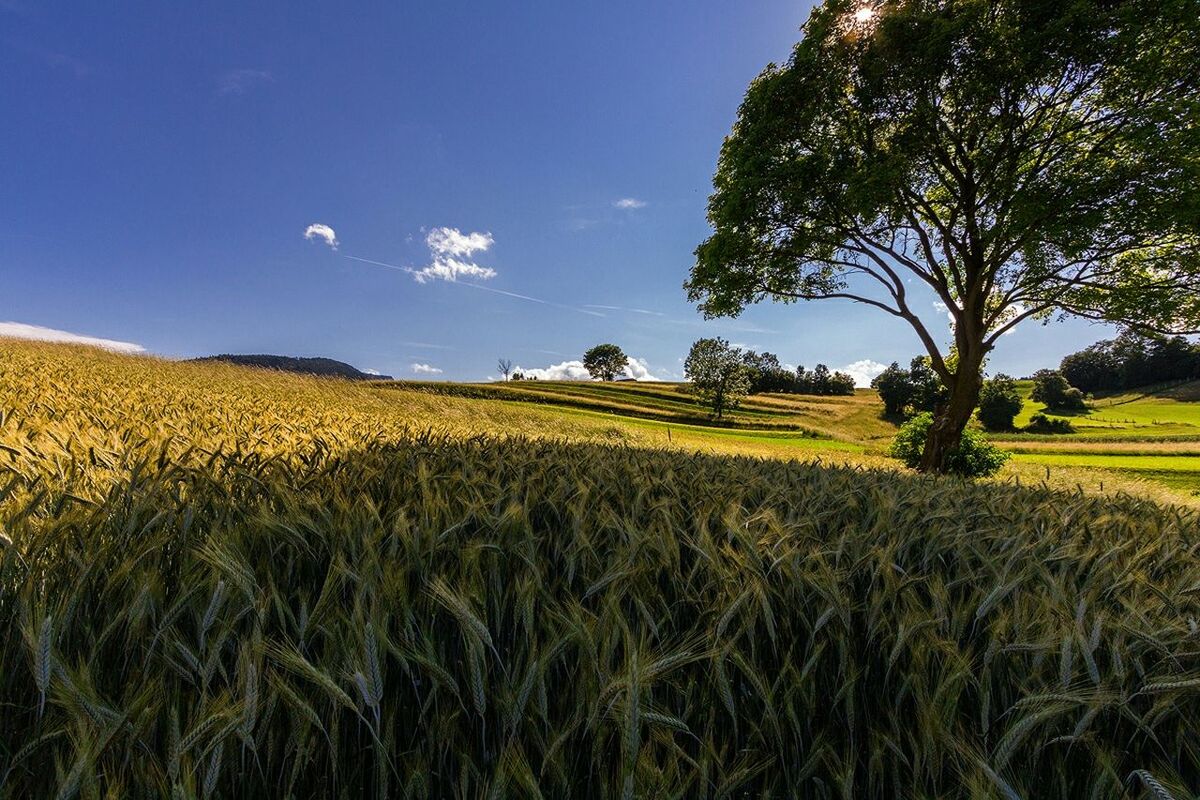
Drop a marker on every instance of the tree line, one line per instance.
(1131, 361)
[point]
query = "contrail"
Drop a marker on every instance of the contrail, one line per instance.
(623, 308)
(376, 263)
(410, 271)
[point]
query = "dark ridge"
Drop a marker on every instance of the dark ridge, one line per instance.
(325, 367)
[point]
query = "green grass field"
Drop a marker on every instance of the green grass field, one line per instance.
(219, 582)
(1147, 443)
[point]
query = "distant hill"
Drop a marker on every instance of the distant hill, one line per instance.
(326, 367)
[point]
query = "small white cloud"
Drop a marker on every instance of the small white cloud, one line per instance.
(453, 242)
(863, 371)
(240, 81)
(451, 250)
(637, 368)
(323, 232)
(451, 269)
(425, 369)
(19, 330)
(629, 204)
(372, 372)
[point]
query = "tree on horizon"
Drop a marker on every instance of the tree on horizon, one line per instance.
(605, 361)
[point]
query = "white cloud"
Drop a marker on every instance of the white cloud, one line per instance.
(453, 242)
(564, 371)
(372, 372)
(629, 203)
(451, 250)
(863, 371)
(451, 269)
(19, 330)
(426, 369)
(637, 368)
(323, 232)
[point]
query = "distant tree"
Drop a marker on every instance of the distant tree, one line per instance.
(505, 366)
(766, 373)
(1093, 369)
(518, 376)
(718, 374)
(1017, 159)
(820, 379)
(841, 384)
(1052, 389)
(605, 361)
(928, 391)
(895, 389)
(999, 403)
(1130, 361)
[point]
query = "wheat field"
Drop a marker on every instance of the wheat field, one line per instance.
(222, 583)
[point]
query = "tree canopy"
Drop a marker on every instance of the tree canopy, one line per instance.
(605, 361)
(1010, 159)
(718, 374)
(1130, 361)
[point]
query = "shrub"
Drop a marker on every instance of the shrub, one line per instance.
(1040, 423)
(975, 456)
(999, 403)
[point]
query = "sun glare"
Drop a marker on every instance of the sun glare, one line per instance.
(860, 20)
(864, 15)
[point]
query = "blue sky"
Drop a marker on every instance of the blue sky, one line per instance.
(161, 163)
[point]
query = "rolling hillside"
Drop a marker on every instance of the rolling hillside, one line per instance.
(1151, 437)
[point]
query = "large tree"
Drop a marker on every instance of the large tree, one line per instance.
(718, 374)
(1008, 159)
(605, 361)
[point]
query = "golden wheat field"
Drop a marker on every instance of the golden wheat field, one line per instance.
(218, 582)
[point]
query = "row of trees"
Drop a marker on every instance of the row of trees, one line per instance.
(918, 390)
(722, 375)
(1132, 360)
(910, 391)
(767, 374)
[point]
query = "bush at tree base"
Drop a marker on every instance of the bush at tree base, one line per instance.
(1040, 423)
(975, 456)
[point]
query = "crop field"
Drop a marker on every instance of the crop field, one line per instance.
(1172, 411)
(1151, 435)
(219, 582)
(849, 418)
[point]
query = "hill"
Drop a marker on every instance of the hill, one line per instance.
(216, 581)
(324, 367)
(1147, 442)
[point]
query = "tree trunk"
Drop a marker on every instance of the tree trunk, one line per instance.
(951, 419)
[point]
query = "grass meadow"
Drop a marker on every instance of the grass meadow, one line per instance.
(222, 582)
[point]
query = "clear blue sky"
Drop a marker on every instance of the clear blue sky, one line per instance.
(161, 162)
